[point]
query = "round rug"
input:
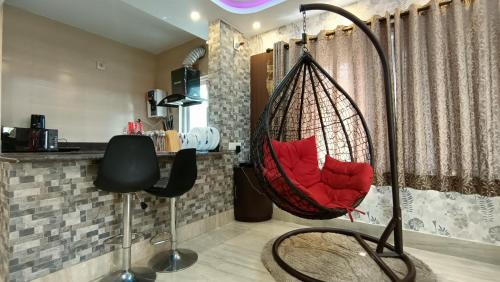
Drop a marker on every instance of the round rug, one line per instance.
(334, 257)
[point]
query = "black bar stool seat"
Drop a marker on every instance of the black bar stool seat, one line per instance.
(129, 165)
(182, 178)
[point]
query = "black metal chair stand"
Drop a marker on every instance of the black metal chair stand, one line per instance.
(129, 165)
(182, 178)
(341, 132)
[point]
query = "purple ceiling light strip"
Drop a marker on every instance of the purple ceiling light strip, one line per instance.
(246, 6)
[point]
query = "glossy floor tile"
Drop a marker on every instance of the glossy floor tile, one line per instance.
(232, 253)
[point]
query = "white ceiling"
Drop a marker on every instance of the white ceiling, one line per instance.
(112, 19)
(177, 12)
(157, 25)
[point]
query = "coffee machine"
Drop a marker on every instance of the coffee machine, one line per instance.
(38, 121)
(34, 139)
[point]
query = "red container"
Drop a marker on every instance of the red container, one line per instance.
(141, 128)
(130, 128)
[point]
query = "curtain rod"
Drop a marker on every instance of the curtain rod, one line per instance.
(382, 19)
(269, 50)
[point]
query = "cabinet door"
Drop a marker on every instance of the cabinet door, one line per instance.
(260, 74)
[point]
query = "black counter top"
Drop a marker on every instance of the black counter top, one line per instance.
(81, 155)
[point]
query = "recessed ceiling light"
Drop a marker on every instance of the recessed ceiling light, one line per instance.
(195, 15)
(256, 25)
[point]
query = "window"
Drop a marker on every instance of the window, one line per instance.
(196, 116)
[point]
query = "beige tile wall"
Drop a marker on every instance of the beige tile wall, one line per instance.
(50, 68)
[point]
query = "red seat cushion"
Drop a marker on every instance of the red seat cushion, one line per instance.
(327, 197)
(300, 158)
(337, 185)
(283, 189)
(347, 175)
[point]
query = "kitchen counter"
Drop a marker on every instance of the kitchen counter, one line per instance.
(79, 155)
(52, 216)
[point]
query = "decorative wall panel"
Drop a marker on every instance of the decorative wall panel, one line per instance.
(58, 218)
(450, 214)
(4, 226)
(229, 86)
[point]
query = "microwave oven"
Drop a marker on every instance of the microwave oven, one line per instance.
(18, 139)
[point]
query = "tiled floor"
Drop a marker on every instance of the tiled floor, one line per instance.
(232, 253)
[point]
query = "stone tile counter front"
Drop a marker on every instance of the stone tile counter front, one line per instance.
(52, 216)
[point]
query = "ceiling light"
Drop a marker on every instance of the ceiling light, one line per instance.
(246, 6)
(195, 15)
(256, 25)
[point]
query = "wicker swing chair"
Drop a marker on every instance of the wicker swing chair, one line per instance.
(308, 105)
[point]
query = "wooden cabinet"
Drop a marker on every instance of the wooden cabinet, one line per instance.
(260, 76)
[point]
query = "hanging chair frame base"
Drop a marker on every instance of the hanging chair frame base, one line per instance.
(361, 239)
(314, 211)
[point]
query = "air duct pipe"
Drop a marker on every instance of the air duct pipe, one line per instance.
(193, 56)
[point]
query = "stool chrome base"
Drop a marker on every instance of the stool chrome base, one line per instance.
(128, 273)
(136, 274)
(173, 260)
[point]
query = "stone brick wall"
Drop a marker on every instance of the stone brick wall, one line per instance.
(4, 227)
(58, 218)
(229, 86)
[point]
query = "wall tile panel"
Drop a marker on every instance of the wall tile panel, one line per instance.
(58, 218)
(229, 86)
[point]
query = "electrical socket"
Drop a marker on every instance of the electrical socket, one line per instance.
(233, 145)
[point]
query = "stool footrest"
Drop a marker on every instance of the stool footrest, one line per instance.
(155, 242)
(115, 240)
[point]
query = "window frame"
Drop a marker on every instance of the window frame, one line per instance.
(184, 112)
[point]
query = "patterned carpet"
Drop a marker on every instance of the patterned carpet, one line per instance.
(334, 257)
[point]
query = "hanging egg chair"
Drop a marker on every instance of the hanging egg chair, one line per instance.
(311, 121)
(310, 115)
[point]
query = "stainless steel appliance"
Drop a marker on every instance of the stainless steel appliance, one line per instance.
(18, 139)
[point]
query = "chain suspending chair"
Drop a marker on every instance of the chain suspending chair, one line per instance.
(309, 106)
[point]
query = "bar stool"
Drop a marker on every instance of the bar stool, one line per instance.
(129, 165)
(182, 178)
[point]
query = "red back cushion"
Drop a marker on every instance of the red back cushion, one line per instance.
(299, 158)
(347, 175)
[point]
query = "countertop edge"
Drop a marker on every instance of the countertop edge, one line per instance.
(82, 156)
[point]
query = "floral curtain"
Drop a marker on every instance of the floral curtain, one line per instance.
(280, 61)
(445, 62)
